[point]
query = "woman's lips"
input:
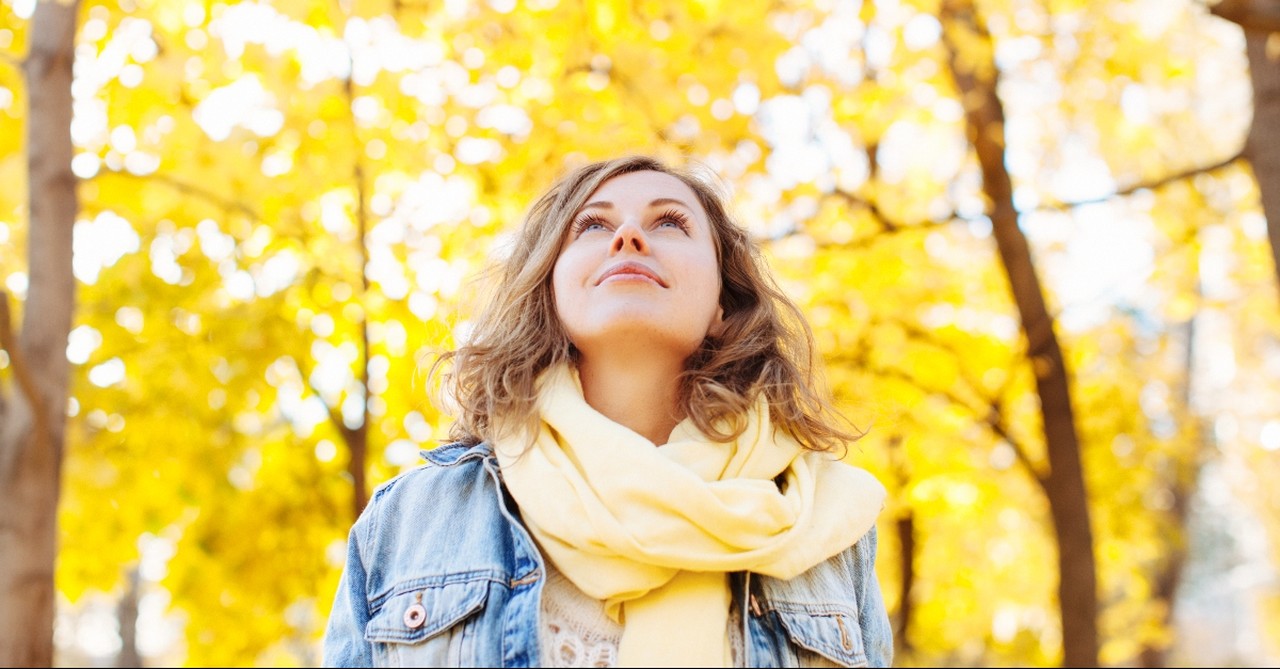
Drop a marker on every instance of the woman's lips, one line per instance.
(631, 271)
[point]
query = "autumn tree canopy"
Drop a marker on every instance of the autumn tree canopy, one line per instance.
(1028, 235)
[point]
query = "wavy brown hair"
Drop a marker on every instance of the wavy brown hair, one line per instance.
(765, 344)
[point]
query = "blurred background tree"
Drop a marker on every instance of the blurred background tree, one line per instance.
(32, 424)
(1029, 234)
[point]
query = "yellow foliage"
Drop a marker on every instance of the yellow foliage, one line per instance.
(242, 143)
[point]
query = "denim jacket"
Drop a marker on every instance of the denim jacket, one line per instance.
(441, 572)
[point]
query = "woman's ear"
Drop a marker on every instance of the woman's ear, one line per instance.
(717, 324)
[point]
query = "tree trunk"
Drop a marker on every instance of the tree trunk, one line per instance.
(1263, 146)
(358, 438)
(1168, 578)
(976, 79)
(33, 425)
(906, 527)
(1260, 20)
(127, 616)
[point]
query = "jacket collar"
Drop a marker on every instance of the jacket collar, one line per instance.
(448, 455)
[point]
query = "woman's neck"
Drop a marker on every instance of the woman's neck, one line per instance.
(639, 396)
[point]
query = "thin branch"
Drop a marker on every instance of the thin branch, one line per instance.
(199, 192)
(995, 414)
(995, 420)
(9, 343)
(26, 383)
(1146, 185)
(6, 336)
(916, 333)
(992, 417)
(13, 61)
(872, 207)
(334, 416)
(888, 226)
(866, 241)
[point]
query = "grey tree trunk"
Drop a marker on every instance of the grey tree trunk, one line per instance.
(1167, 579)
(976, 78)
(127, 615)
(32, 426)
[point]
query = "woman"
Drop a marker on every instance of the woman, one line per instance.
(642, 472)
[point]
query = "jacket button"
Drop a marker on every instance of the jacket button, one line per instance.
(415, 616)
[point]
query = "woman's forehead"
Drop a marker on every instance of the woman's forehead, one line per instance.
(635, 187)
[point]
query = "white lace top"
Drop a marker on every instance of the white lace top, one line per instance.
(577, 633)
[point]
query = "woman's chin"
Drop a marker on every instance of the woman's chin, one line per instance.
(639, 336)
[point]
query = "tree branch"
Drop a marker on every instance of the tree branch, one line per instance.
(1146, 185)
(995, 415)
(358, 438)
(1249, 14)
(9, 344)
(866, 241)
(992, 417)
(26, 383)
(888, 226)
(334, 416)
(193, 190)
(13, 61)
(6, 336)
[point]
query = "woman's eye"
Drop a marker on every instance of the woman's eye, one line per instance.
(673, 220)
(589, 224)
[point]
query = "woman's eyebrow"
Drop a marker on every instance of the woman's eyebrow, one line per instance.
(605, 204)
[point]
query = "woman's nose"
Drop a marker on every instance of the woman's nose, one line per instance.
(629, 237)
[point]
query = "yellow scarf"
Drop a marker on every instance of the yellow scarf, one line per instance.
(653, 532)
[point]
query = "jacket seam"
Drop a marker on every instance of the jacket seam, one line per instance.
(468, 453)
(810, 608)
(430, 582)
(362, 545)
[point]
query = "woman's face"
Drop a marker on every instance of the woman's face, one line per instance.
(638, 269)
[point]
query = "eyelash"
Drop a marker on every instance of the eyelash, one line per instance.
(672, 215)
(580, 226)
(676, 217)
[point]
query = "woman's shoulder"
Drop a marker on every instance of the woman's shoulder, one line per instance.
(457, 480)
(436, 519)
(446, 465)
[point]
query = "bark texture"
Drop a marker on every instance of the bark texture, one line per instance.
(906, 528)
(1263, 146)
(357, 439)
(32, 426)
(127, 615)
(976, 77)
(1260, 20)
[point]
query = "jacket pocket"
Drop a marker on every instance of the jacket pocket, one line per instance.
(822, 636)
(427, 625)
